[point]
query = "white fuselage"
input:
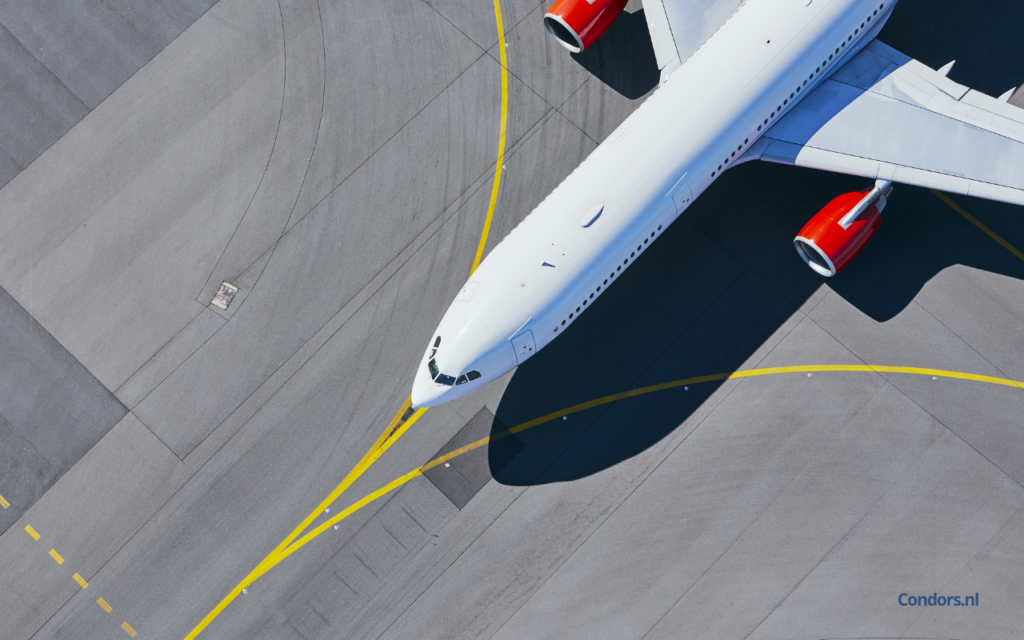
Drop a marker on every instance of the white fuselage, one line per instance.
(699, 123)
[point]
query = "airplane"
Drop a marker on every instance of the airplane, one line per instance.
(796, 82)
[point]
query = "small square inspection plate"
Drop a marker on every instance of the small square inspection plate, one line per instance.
(224, 295)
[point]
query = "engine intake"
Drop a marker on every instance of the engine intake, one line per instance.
(577, 24)
(842, 229)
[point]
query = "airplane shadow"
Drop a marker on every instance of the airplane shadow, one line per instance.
(724, 278)
(623, 58)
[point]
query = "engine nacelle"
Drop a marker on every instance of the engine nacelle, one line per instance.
(577, 24)
(840, 231)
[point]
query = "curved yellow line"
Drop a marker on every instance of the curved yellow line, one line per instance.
(990, 233)
(391, 434)
(501, 139)
(396, 429)
(750, 373)
(296, 540)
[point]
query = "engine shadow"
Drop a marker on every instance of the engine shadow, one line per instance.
(722, 280)
(623, 58)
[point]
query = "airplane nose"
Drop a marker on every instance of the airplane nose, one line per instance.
(425, 393)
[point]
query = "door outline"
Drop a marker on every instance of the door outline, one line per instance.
(681, 195)
(524, 345)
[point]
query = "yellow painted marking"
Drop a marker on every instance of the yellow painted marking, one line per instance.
(81, 581)
(4, 503)
(990, 233)
(501, 139)
(128, 629)
(31, 532)
(940, 373)
(395, 429)
(56, 556)
(285, 550)
(103, 603)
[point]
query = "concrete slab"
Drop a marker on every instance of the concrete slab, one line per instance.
(37, 107)
(925, 531)
(102, 269)
(25, 474)
(52, 410)
(477, 20)
(86, 517)
(409, 55)
(87, 45)
(196, 333)
(63, 59)
(272, 203)
(299, 290)
(463, 477)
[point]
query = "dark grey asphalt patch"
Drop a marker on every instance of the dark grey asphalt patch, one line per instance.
(465, 475)
(52, 410)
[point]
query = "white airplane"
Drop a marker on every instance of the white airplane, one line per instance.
(798, 82)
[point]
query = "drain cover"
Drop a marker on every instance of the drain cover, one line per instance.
(224, 295)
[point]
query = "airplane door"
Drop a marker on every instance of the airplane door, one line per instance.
(681, 196)
(524, 346)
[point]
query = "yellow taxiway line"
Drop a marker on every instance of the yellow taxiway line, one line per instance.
(297, 538)
(402, 420)
(990, 233)
(397, 428)
(501, 139)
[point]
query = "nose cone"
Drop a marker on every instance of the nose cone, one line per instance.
(426, 392)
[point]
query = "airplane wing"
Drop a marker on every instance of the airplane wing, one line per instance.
(886, 116)
(680, 27)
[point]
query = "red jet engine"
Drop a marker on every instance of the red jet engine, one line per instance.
(576, 24)
(840, 231)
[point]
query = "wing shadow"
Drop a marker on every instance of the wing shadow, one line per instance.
(623, 58)
(724, 279)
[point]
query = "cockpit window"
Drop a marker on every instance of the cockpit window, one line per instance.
(461, 380)
(446, 380)
(437, 343)
(434, 371)
(473, 375)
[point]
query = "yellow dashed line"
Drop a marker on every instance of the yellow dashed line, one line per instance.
(128, 629)
(990, 233)
(4, 503)
(80, 580)
(31, 532)
(103, 603)
(56, 556)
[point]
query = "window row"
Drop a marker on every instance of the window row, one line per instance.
(611, 276)
(800, 87)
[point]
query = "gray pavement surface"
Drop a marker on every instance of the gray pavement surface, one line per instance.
(52, 410)
(59, 59)
(334, 160)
